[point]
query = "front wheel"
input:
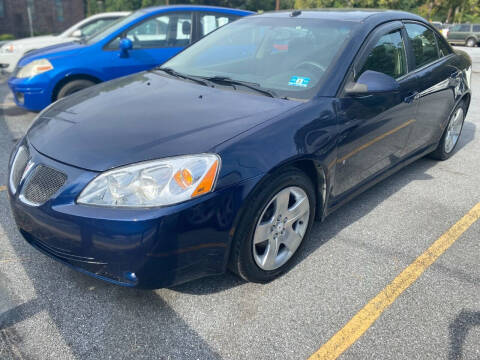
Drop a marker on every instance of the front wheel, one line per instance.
(73, 87)
(449, 140)
(279, 218)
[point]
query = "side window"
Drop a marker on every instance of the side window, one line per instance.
(388, 56)
(210, 22)
(464, 28)
(443, 47)
(169, 30)
(423, 44)
(476, 28)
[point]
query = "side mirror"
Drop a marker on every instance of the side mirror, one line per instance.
(372, 82)
(125, 45)
(77, 33)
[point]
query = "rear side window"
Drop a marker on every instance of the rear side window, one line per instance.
(388, 56)
(423, 44)
(464, 28)
(210, 22)
(443, 47)
(476, 28)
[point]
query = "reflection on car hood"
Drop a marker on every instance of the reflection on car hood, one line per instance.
(35, 41)
(143, 117)
(65, 48)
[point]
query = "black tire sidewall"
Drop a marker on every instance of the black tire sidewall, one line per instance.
(242, 261)
(73, 86)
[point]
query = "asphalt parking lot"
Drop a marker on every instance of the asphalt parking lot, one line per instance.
(48, 311)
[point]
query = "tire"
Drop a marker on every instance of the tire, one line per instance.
(445, 149)
(471, 42)
(246, 256)
(72, 87)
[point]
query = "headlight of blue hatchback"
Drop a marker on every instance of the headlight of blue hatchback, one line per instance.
(34, 68)
(154, 183)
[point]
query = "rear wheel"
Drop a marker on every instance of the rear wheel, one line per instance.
(448, 143)
(74, 86)
(279, 218)
(471, 42)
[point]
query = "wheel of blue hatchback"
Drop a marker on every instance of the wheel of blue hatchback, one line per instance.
(73, 86)
(448, 142)
(277, 220)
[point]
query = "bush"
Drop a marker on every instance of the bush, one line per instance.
(4, 37)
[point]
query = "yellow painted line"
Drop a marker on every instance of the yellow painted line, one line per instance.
(12, 260)
(3, 188)
(8, 104)
(360, 323)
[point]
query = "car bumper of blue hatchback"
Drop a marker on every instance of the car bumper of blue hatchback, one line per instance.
(148, 248)
(33, 94)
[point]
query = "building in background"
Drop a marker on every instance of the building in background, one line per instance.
(48, 16)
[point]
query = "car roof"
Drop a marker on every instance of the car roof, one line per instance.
(195, 7)
(357, 15)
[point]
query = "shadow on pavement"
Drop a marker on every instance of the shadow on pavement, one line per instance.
(459, 328)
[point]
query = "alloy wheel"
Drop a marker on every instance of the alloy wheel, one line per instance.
(453, 130)
(281, 228)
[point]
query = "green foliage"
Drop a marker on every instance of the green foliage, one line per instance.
(4, 37)
(440, 10)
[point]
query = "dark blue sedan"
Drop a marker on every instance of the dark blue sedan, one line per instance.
(138, 42)
(223, 157)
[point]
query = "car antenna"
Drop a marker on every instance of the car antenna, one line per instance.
(296, 13)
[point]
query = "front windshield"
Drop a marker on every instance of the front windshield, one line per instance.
(113, 27)
(287, 55)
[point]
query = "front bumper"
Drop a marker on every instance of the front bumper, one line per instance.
(9, 61)
(161, 246)
(33, 94)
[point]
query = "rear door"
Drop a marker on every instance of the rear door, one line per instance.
(154, 40)
(210, 21)
(374, 128)
(434, 65)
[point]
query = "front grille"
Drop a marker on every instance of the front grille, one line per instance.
(43, 184)
(18, 167)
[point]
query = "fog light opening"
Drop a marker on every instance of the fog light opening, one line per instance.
(20, 97)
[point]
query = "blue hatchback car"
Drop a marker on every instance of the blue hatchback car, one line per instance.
(141, 41)
(223, 157)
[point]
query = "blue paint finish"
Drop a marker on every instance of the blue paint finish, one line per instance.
(352, 141)
(96, 61)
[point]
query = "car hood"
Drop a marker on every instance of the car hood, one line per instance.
(144, 117)
(33, 41)
(65, 48)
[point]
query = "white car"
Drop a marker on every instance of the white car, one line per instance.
(12, 51)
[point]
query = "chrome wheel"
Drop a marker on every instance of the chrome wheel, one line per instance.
(453, 130)
(281, 228)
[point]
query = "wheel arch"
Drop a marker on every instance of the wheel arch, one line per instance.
(65, 80)
(314, 170)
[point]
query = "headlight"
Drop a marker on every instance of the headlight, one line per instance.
(34, 68)
(8, 48)
(154, 183)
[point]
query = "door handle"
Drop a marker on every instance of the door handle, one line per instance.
(410, 97)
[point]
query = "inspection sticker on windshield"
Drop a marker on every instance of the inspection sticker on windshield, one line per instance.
(299, 81)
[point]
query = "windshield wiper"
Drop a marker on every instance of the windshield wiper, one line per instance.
(172, 72)
(249, 85)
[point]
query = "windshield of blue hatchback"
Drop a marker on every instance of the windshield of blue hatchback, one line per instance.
(289, 56)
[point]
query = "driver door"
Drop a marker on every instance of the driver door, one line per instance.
(154, 40)
(374, 128)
